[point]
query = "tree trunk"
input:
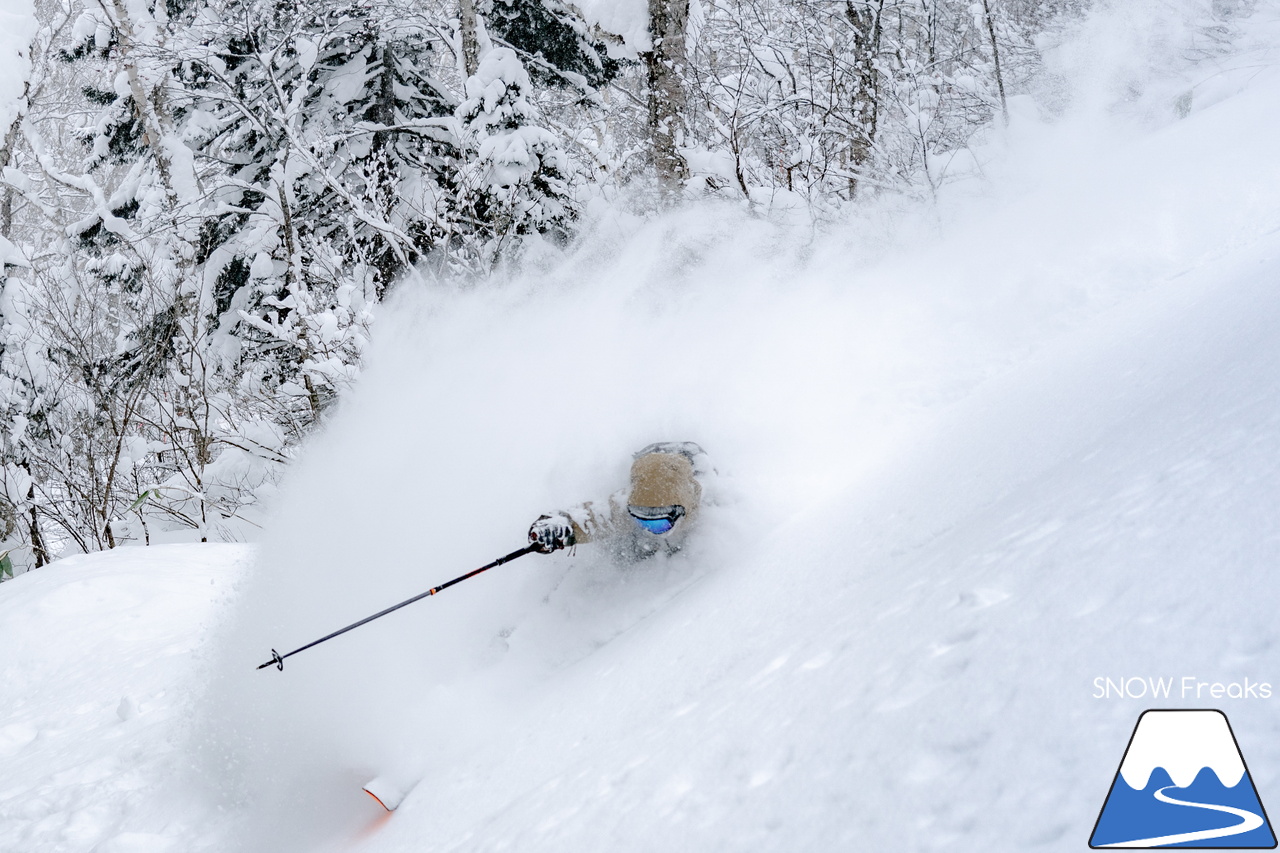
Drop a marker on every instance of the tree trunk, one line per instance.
(143, 105)
(6, 200)
(383, 110)
(995, 57)
(37, 541)
(665, 64)
(865, 18)
(6, 157)
(384, 177)
(470, 39)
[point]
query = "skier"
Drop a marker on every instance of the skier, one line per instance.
(653, 514)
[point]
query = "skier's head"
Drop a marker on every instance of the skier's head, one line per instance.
(664, 488)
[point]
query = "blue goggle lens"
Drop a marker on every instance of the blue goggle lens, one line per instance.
(656, 519)
(656, 525)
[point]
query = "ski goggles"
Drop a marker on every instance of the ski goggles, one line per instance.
(656, 519)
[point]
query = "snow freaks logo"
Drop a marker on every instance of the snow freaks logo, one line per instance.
(1183, 783)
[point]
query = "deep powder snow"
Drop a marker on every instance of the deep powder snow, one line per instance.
(1031, 440)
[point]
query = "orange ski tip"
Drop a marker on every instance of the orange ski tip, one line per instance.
(388, 791)
(377, 799)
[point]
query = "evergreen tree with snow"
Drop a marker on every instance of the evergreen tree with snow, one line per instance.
(339, 141)
(515, 181)
(554, 41)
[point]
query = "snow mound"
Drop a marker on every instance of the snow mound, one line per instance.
(100, 666)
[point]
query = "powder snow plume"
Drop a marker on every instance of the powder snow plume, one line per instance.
(803, 365)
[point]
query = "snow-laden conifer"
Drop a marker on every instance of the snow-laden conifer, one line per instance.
(515, 180)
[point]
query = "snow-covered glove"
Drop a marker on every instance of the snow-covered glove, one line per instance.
(551, 533)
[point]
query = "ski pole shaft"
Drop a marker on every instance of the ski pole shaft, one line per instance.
(278, 659)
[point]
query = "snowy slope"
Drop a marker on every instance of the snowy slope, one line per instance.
(912, 668)
(1033, 441)
(961, 483)
(96, 672)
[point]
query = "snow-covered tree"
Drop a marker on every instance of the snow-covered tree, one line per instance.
(337, 142)
(554, 41)
(203, 201)
(830, 101)
(514, 182)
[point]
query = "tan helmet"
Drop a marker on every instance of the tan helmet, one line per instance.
(664, 479)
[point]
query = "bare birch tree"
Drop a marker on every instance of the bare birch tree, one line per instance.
(665, 65)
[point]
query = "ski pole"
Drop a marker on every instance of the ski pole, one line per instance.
(278, 659)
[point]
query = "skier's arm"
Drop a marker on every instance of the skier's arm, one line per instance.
(586, 522)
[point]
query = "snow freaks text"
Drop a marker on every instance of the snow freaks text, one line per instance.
(1184, 687)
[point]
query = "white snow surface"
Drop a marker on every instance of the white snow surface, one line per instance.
(1183, 743)
(972, 457)
(97, 672)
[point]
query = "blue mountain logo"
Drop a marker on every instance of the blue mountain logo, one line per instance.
(1183, 783)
